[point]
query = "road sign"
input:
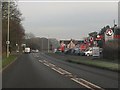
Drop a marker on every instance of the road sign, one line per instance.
(96, 52)
(109, 34)
(99, 37)
(7, 42)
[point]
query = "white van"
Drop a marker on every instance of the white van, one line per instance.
(27, 50)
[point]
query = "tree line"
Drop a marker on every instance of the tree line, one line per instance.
(16, 29)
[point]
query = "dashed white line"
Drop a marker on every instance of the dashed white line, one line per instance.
(57, 71)
(64, 71)
(90, 83)
(51, 65)
(80, 81)
(40, 61)
(46, 64)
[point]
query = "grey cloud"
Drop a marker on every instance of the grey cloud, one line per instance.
(66, 20)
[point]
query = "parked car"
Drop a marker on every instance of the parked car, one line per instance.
(82, 53)
(69, 51)
(88, 52)
(35, 51)
(101, 50)
(55, 50)
(66, 50)
(79, 52)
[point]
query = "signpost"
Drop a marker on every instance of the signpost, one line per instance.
(96, 51)
(109, 34)
(8, 39)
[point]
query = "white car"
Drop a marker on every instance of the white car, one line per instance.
(36, 50)
(89, 52)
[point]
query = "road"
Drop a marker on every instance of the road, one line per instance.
(38, 70)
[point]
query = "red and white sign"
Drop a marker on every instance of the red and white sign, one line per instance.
(109, 35)
(91, 39)
(99, 37)
(109, 32)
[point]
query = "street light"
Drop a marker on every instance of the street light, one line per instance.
(8, 42)
(17, 49)
(48, 44)
(42, 44)
(23, 46)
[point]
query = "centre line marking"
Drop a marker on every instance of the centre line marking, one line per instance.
(90, 83)
(57, 71)
(46, 64)
(81, 83)
(64, 71)
(74, 78)
(51, 64)
(40, 61)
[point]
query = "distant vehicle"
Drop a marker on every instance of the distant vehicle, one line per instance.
(17, 51)
(27, 50)
(35, 51)
(77, 51)
(82, 53)
(68, 51)
(101, 50)
(89, 52)
(55, 50)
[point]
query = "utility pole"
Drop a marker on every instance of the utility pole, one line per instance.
(42, 44)
(8, 42)
(48, 44)
(114, 22)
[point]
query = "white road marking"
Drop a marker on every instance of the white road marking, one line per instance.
(46, 64)
(44, 60)
(57, 71)
(51, 65)
(64, 71)
(80, 81)
(40, 61)
(90, 83)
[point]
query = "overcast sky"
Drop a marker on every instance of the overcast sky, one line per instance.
(66, 20)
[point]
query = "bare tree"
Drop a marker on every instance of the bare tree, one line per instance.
(16, 28)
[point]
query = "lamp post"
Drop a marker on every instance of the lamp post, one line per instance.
(42, 45)
(8, 42)
(23, 46)
(48, 44)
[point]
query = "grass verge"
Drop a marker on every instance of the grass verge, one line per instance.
(6, 61)
(99, 63)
